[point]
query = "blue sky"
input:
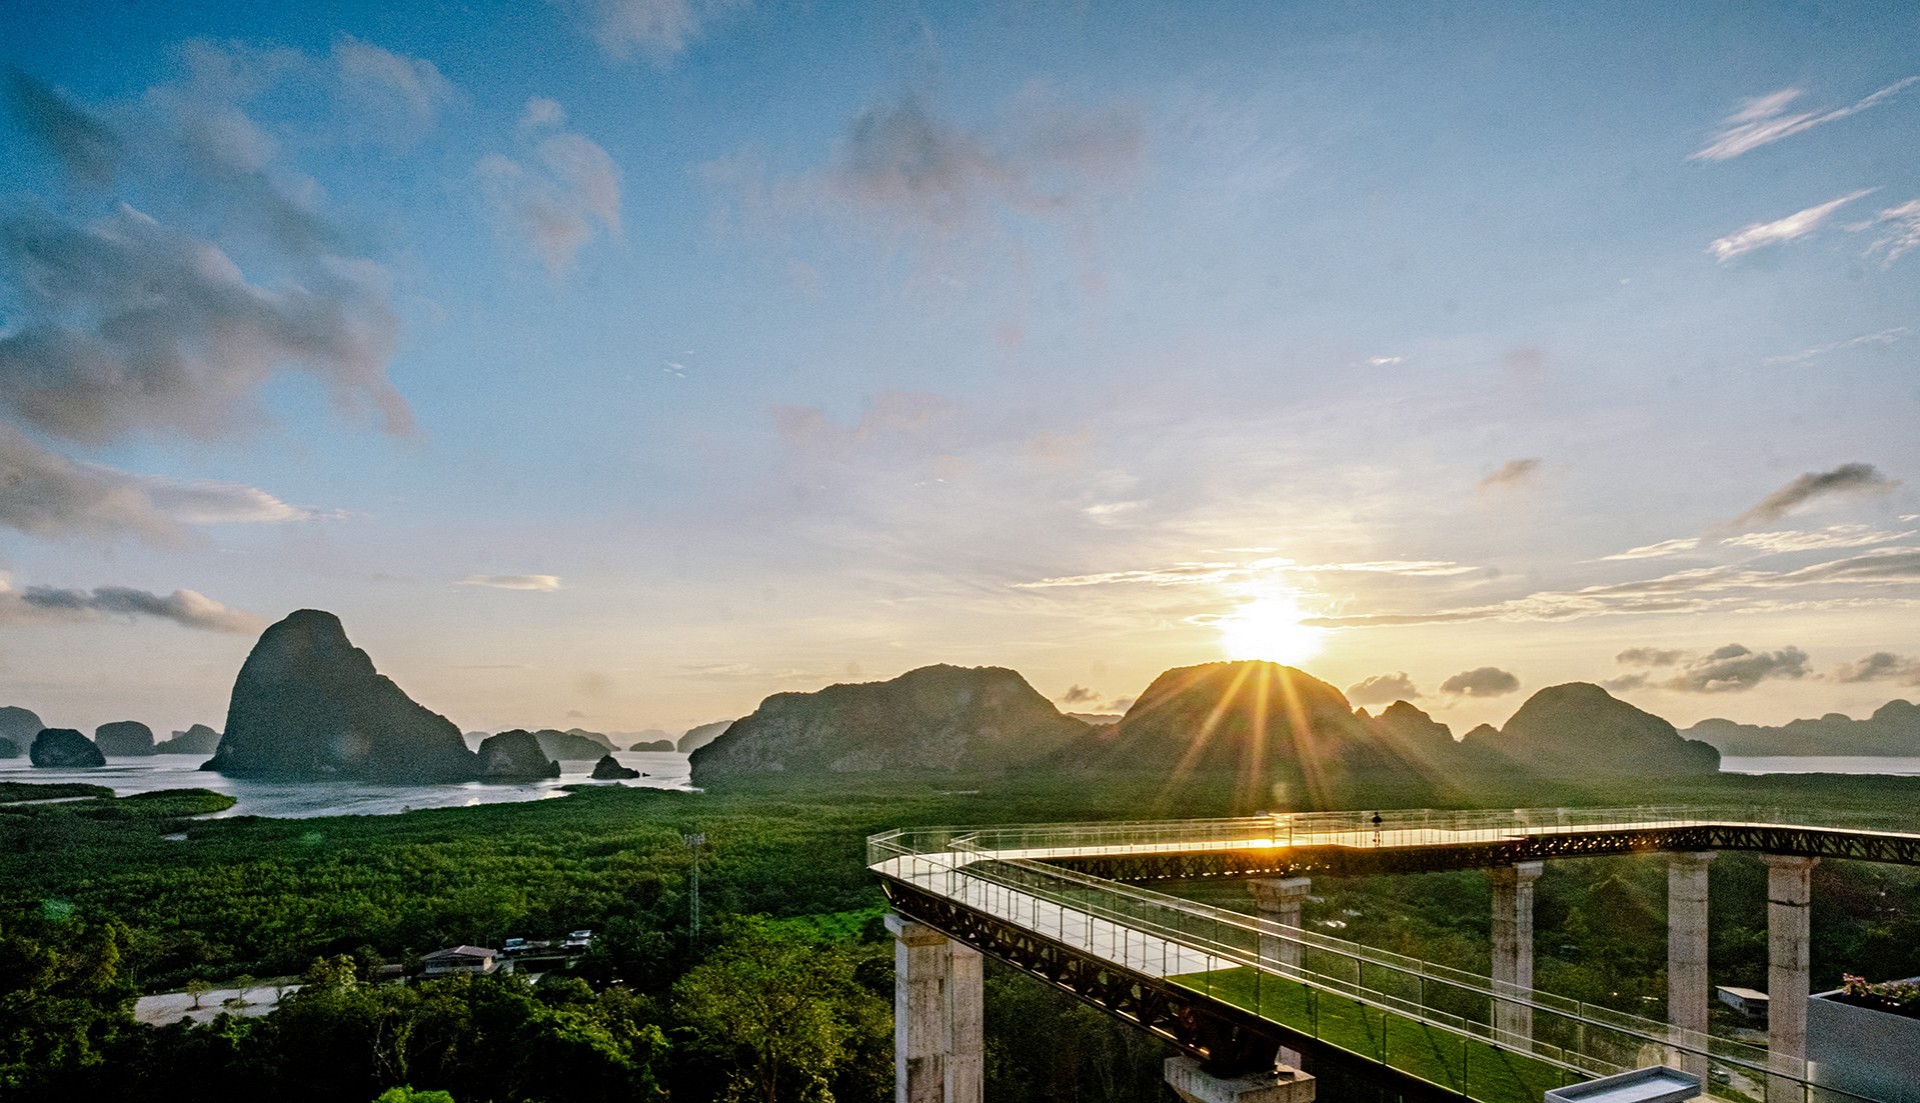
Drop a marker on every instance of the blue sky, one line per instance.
(619, 362)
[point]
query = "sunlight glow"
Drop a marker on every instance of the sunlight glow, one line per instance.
(1269, 628)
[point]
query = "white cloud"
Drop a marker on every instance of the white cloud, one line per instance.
(1763, 120)
(553, 200)
(543, 583)
(47, 495)
(660, 29)
(1659, 550)
(1700, 589)
(1208, 574)
(1833, 536)
(542, 112)
(187, 608)
(1762, 234)
(1900, 231)
(391, 84)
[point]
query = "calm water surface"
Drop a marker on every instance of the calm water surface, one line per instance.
(301, 799)
(1816, 764)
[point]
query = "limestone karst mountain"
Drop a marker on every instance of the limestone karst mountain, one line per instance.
(124, 739)
(10, 749)
(698, 737)
(64, 748)
(1270, 727)
(514, 756)
(19, 725)
(1893, 731)
(308, 704)
(1579, 729)
(197, 739)
(607, 769)
(937, 718)
(571, 746)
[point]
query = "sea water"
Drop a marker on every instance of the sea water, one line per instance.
(301, 799)
(1819, 764)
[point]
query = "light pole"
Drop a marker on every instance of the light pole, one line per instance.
(694, 843)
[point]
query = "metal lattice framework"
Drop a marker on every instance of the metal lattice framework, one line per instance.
(1341, 859)
(1229, 1039)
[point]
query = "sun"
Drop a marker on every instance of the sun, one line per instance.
(1269, 628)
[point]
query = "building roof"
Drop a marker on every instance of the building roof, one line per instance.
(1744, 993)
(461, 951)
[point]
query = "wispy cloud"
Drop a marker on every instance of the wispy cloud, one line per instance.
(1833, 536)
(1659, 550)
(1510, 473)
(544, 583)
(1210, 574)
(560, 196)
(1770, 543)
(1883, 337)
(187, 608)
(1690, 591)
(1796, 225)
(808, 430)
(1848, 478)
(1764, 120)
(1899, 231)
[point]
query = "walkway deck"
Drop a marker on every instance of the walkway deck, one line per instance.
(1211, 980)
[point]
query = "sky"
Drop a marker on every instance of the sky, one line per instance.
(618, 363)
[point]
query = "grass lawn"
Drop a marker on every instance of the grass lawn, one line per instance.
(1473, 1068)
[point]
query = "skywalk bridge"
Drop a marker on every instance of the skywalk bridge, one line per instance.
(1065, 903)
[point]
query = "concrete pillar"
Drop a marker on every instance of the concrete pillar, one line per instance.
(1279, 901)
(937, 1016)
(1687, 948)
(1789, 934)
(1513, 943)
(1190, 1080)
(967, 1024)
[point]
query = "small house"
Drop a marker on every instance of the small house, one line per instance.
(1746, 1001)
(461, 959)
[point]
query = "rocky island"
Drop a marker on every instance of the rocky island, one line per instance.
(309, 705)
(124, 739)
(64, 748)
(940, 719)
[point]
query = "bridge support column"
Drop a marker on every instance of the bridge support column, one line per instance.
(1513, 943)
(1191, 1081)
(1789, 933)
(937, 1016)
(1687, 948)
(1279, 901)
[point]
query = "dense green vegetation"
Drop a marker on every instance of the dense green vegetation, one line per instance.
(101, 898)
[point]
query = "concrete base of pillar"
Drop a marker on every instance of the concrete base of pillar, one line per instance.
(1190, 1080)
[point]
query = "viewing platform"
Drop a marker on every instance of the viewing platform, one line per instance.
(1066, 903)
